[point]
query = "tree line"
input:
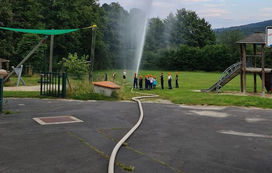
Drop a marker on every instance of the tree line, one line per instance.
(181, 41)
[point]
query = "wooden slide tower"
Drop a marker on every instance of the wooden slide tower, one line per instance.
(254, 62)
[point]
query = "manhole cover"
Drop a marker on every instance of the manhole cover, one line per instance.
(57, 120)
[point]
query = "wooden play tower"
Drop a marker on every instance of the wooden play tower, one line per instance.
(254, 62)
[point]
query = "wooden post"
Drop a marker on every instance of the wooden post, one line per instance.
(51, 53)
(27, 57)
(92, 52)
(7, 66)
(263, 73)
(241, 69)
(255, 78)
(244, 67)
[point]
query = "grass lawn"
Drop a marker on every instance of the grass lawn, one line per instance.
(188, 81)
(29, 80)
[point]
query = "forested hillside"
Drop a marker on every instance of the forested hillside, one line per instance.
(182, 41)
(249, 28)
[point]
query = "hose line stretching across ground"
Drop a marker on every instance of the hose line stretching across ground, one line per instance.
(131, 131)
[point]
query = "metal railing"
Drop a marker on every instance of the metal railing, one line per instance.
(53, 84)
(226, 74)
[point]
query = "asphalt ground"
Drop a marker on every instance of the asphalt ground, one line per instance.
(172, 138)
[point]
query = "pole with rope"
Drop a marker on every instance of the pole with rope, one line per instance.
(91, 67)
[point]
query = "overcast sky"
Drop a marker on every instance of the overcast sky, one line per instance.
(219, 13)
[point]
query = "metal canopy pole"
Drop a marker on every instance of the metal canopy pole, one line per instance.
(27, 57)
(92, 52)
(51, 53)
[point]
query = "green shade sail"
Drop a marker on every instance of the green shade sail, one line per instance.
(40, 31)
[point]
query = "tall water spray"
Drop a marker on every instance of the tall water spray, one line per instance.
(135, 33)
(141, 41)
(132, 32)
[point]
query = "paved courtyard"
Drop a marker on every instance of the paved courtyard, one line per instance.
(172, 138)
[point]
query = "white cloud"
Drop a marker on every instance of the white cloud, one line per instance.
(212, 12)
(197, 0)
(217, 12)
(266, 12)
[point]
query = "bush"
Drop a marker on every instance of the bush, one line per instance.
(208, 58)
(74, 65)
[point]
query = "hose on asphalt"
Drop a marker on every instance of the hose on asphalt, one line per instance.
(130, 132)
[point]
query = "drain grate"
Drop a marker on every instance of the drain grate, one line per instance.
(57, 120)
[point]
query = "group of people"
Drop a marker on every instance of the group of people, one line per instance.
(151, 81)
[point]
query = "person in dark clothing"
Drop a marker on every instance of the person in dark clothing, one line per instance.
(151, 82)
(162, 81)
(177, 85)
(140, 82)
(146, 82)
(169, 81)
(135, 83)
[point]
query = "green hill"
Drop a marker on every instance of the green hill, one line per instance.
(247, 29)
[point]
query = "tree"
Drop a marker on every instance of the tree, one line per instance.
(155, 35)
(229, 39)
(153, 43)
(72, 14)
(25, 45)
(169, 32)
(192, 30)
(115, 21)
(7, 42)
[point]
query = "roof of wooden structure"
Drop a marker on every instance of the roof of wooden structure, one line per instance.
(255, 38)
(107, 84)
(3, 60)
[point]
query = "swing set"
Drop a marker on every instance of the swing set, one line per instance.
(18, 69)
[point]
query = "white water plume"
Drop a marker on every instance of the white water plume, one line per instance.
(143, 30)
(133, 34)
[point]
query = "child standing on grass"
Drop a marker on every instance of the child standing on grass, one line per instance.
(140, 82)
(146, 82)
(162, 81)
(113, 76)
(154, 82)
(169, 81)
(151, 82)
(124, 75)
(135, 83)
(177, 85)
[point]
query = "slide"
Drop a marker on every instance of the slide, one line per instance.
(230, 73)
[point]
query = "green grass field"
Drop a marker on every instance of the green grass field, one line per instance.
(188, 81)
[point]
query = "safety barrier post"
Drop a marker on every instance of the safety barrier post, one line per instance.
(3, 73)
(1, 94)
(64, 75)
